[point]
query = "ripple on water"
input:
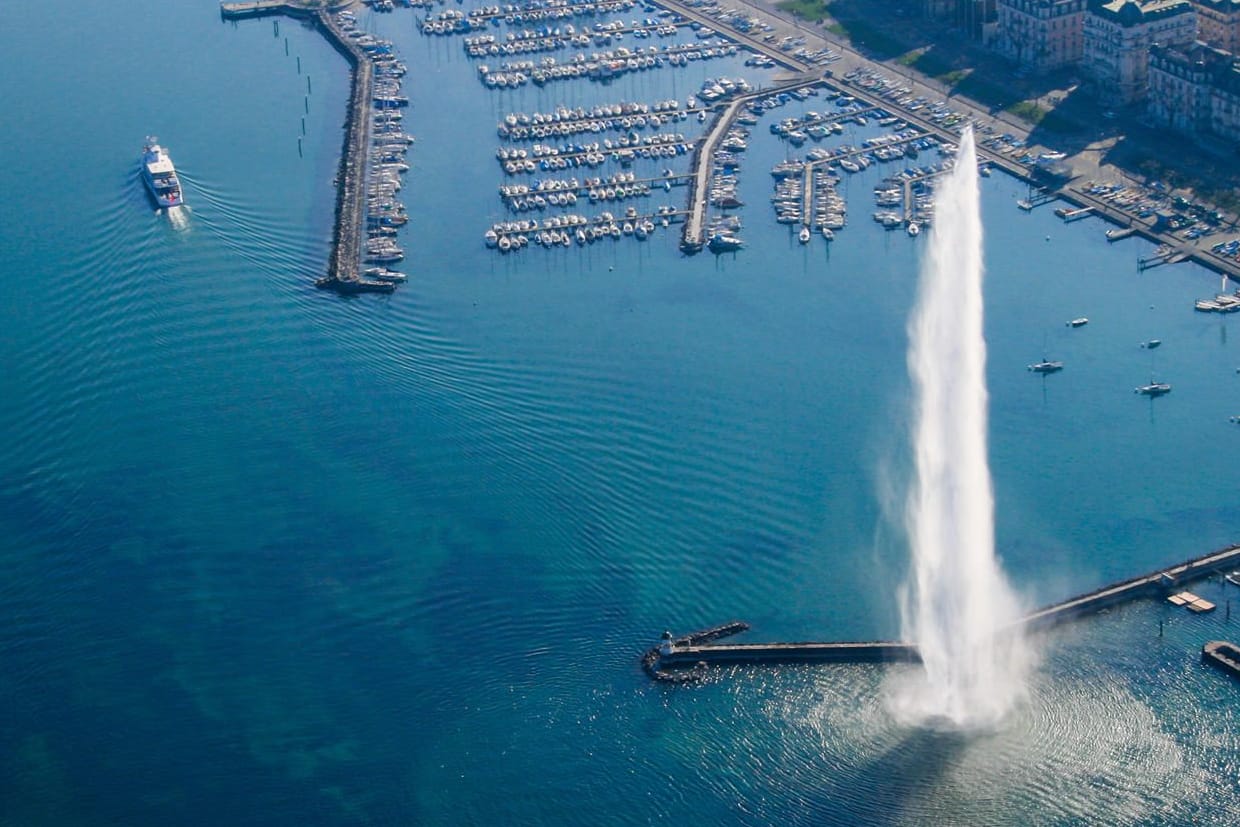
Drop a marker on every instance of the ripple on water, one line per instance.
(1083, 749)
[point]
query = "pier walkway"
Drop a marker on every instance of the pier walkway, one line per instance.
(694, 236)
(343, 268)
(344, 264)
(668, 660)
(292, 8)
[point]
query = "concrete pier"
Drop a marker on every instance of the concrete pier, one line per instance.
(344, 264)
(292, 8)
(694, 236)
(1223, 655)
(674, 654)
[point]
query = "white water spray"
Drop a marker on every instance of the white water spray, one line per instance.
(958, 607)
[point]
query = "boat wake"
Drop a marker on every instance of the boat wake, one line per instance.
(178, 217)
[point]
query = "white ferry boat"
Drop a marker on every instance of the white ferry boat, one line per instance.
(160, 176)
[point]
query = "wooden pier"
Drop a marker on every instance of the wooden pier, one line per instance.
(672, 655)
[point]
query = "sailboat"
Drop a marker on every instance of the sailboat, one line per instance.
(1153, 388)
(1046, 365)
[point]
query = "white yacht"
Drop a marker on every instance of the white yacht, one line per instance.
(160, 175)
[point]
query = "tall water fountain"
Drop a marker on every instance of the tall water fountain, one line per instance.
(957, 607)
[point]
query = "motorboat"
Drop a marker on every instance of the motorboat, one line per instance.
(1078, 322)
(1153, 389)
(724, 243)
(1046, 366)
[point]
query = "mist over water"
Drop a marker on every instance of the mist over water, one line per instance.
(957, 607)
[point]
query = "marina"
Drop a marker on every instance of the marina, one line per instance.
(367, 205)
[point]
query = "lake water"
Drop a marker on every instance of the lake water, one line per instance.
(274, 556)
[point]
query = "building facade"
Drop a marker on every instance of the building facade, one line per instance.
(1225, 105)
(1180, 80)
(1118, 35)
(1040, 35)
(1218, 24)
(1195, 90)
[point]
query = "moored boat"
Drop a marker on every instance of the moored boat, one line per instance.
(724, 243)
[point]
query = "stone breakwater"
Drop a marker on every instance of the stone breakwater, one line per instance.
(343, 267)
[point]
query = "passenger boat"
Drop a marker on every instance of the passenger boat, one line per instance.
(160, 175)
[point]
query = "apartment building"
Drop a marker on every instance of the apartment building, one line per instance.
(1040, 34)
(1117, 36)
(1218, 23)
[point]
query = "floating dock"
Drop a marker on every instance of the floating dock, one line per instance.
(668, 661)
(1222, 654)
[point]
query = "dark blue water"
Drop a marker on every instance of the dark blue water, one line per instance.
(274, 557)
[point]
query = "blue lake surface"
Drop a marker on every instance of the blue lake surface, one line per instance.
(276, 557)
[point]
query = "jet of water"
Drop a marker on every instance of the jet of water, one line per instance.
(958, 607)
